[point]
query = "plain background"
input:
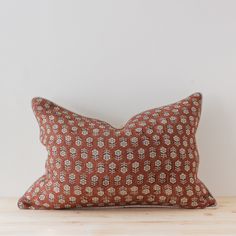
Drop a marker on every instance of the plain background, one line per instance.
(111, 60)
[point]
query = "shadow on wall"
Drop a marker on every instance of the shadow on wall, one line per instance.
(212, 136)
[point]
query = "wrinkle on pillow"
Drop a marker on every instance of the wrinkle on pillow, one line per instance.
(152, 161)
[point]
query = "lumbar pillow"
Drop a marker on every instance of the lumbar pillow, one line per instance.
(152, 161)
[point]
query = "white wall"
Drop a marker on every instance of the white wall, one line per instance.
(110, 60)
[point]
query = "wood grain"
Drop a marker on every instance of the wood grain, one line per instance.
(220, 220)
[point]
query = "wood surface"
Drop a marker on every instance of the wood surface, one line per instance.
(220, 220)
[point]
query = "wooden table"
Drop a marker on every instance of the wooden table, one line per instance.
(127, 221)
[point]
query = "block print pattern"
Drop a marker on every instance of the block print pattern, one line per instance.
(152, 160)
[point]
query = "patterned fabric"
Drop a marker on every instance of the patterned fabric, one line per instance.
(153, 160)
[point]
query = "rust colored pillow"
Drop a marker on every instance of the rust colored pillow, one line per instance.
(152, 161)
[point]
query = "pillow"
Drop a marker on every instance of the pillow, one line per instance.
(152, 161)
